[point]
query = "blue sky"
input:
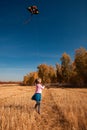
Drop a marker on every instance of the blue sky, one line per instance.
(61, 26)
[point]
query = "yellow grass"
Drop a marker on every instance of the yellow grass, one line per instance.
(61, 109)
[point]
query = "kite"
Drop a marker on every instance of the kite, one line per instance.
(33, 9)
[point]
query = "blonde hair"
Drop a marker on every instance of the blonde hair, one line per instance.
(38, 80)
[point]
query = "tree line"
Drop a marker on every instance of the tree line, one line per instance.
(68, 72)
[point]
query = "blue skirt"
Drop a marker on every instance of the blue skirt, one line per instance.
(36, 97)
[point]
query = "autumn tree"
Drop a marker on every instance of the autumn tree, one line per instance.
(67, 72)
(46, 73)
(25, 80)
(59, 73)
(52, 74)
(66, 67)
(74, 77)
(81, 63)
(30, 78)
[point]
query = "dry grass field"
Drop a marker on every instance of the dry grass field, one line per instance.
(61, 109)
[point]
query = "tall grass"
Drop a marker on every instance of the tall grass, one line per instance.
(61, 109)
(16, 111)
(72, 105)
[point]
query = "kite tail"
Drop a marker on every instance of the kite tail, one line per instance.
(28, 20)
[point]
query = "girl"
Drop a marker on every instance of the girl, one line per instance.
(37, 96)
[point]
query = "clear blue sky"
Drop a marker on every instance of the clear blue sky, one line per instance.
(61, 26)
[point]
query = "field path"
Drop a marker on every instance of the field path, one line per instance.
(51, 115)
